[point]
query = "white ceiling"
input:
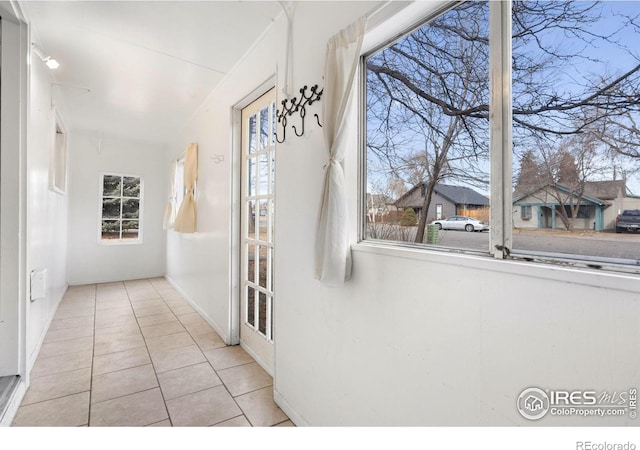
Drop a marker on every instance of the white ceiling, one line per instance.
(140, 69)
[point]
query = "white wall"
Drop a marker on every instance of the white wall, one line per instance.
(415, 338)
(200, 263)
(89, 260)
(13, 156)
(46, 210)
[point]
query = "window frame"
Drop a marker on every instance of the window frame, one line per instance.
(101, 198)
(178, 178)
(500, 233)
(500, 146)
(58, 157)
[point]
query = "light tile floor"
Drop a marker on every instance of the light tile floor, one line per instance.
(135, 353)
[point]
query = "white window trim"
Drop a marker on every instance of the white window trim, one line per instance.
(56, 155)
(179, 187)
(110, 242)
(390, 25)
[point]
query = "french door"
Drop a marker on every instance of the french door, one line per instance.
(257, 233)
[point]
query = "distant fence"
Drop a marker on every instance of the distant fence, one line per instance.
(388, 217)
(480, 214)
(394, 216)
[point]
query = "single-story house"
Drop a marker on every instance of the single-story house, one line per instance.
(447, 201)
(600, 203)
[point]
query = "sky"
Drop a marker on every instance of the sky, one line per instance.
(614, 60)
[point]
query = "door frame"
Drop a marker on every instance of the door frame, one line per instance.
(236, 207)
(14, 114)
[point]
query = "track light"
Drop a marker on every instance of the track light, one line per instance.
(51, 63)
(48, 60)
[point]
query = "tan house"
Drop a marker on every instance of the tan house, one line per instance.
(600, 203)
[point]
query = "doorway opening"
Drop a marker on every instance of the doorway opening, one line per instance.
(257, 194)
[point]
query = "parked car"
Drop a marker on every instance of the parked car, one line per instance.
(629, 220)
(461, 223)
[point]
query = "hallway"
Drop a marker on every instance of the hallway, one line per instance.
(135, 353)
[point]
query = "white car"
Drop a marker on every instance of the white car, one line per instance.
(461, 223)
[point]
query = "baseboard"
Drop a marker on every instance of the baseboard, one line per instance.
(257, 359)
(288, 410)
(225, 337)
(31, 359)
(13, 404)
(279, 399)
(110, 280)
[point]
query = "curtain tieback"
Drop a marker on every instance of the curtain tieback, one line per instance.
(331, 161)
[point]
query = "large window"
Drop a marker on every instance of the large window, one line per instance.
(121, 203)
(576, 110)
(427, 146)
(566, 117)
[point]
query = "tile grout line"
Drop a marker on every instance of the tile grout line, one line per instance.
(155, 373)
(93, 354)
(229, 392)
(212, 368)
(129, 292)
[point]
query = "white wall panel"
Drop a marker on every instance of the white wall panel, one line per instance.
(46, 210)
(200, 263)
(89, 260)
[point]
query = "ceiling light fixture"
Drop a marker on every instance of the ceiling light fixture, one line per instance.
(48, 60)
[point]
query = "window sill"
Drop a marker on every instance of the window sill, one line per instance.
(545, 269)
(116, 243)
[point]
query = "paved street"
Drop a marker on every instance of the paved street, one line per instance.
(606, 244)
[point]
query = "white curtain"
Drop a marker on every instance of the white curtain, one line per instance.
(333, 252)
(186, 219)
(171, 209)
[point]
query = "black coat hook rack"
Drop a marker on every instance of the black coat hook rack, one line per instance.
(297, 105)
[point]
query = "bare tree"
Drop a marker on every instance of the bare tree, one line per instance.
(566, 169)
(428, 93)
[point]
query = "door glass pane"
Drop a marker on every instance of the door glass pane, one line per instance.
(111, 208)
(263, 218)
(251, 177)
(262, 266)
(271, 222)
(251, 219)
(111, 186)
(262, 315)
(252, 134)
(251, 306)
(264, 128)
(263, 178)
(251, 263)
